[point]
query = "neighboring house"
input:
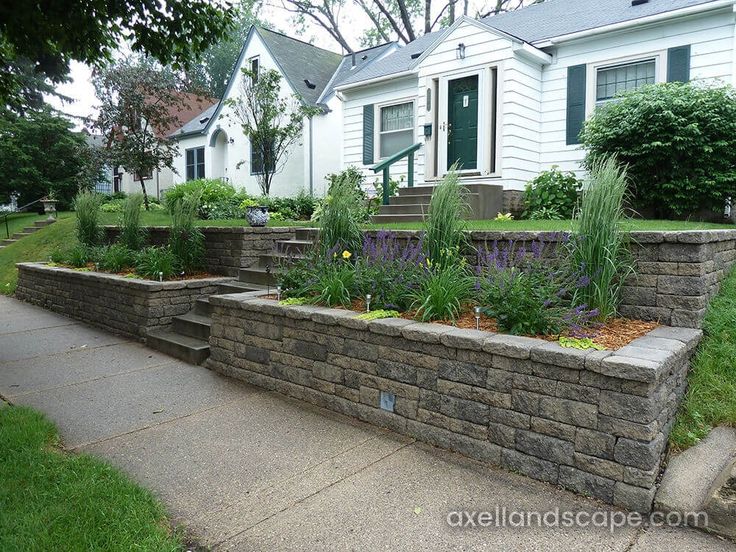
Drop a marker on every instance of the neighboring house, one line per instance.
(159, 180)
(106, 183)
(505, 97)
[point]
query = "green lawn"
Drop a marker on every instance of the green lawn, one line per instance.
(52, 500)
(711, 396)
(16, 223)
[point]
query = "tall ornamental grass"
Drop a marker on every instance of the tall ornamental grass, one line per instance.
(444, 226)
(87, 206)
(132, 234)
(600, 249)
(340, 220)
(186, 241)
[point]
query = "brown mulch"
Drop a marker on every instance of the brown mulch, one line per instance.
(128, 273)
(614, 334)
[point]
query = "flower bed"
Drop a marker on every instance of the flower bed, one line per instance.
(595, 422)
(127, 306)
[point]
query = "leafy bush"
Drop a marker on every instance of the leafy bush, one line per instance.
(678, 142)
(132, 234)
(600, 250)
(186, 241)
(116, 258)
(87, 207)
(333, 284)
(441, 294)
(79, 255)
(212, 193)
(552, 195)
(444, 227)
(341, 215)
(155, 261)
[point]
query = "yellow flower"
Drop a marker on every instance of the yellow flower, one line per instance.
(346, 254)
(334, 255)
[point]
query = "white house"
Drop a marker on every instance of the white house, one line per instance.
(504, 96)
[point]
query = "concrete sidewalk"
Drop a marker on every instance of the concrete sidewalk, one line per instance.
(246, 469)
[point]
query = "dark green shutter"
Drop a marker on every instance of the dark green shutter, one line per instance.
(368, 134)
(678, 64)
(576, 77)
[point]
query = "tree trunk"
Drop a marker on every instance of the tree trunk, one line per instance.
(145, 194)
(427, 16)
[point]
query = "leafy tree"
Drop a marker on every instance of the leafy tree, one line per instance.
(138, 107)
(271, 121)
(40, 155)
(678, 142)
(215, 65)
(48, 34)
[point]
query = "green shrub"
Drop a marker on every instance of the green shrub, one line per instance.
(132, 234)
(442, 292)
(678, 142)
(155, 261)
(116, 258)
(78, 256)
(333, 284)
(213, 193)
(599, 249)
(444, 226)
(186, 241)
(113, 206)
(341, 215)
(87, 207)
(552, 195)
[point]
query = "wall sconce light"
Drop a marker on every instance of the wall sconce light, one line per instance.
(460, 51)
(231, 140)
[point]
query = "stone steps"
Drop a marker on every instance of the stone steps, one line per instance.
(27, 231)
(183, 347)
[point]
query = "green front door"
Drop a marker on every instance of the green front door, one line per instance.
(462, 123)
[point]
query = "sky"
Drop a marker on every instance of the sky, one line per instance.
(81, 91)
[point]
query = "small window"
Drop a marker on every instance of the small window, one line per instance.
(195, 163)
(397, 128)
(255, 67)
(256, 160)
(612, 80)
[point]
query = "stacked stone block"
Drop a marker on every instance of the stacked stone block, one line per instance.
(121, 305)
(593, 422)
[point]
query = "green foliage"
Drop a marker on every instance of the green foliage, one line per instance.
(393, 187)
(678, 142)
(444, 226)
(552, 195)
(582, 343)
(40, 155)
(271, 121)
(213, 193)
(116, 258)
(378, 314)
(132, 234)
(186, 241)
(341, 214)
(441, 294)
(300, 207)
(87, 207)
(155, 261)
(293, 301)
(39, 482)
(333, 284)
(78, 256)
(711, 395)
(599, 250)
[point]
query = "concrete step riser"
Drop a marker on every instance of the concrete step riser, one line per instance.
(416, 190)
(294, 247)
(191, 328)
(387, 219)
(203, 307)
(30, 229)
(403, 210)
(223, 289)
(278, 260)
(410, 200)
(7, 242)
(250, 276)
(308, 234)
(42, 223)
(178, 350)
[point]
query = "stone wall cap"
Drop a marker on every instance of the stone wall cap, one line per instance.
(462, 338)
(689, 336)
(513, 346)
(623, 367)
(424, 332)
(389, 326)
(554, 353)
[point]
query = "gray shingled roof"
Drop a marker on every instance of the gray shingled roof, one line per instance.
(400, 60)
(199, 123)
(299, 61)
(560, 17)
(346, 69)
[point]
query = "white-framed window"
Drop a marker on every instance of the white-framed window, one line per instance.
(395, 128)
(194, 163)
(625, 76)
(254, 64)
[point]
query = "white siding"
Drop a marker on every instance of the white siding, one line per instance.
(328, 148)
(155, 186)
(711, 40)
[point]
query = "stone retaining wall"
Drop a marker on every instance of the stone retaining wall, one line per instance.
(677, 272)
(227, 249)
(594, 422)
(121, 305)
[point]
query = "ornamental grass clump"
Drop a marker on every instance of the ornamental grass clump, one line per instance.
(87, 207)
(116, 258)
(132, 234)
(186, 241)
(599, 250)
(444, 227)
(442, 293)
(155, 263)
(341, 215)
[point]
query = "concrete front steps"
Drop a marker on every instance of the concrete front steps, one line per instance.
(412, 204)
(188, 337)
(27, 231)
